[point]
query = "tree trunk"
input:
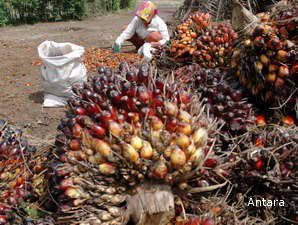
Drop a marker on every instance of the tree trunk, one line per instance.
(152, 205)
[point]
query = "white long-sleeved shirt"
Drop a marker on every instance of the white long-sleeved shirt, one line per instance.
(137, 26)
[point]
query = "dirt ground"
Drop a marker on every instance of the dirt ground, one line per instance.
(20, 84)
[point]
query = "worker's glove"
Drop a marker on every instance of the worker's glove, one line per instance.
(116, 48)
(146, 52)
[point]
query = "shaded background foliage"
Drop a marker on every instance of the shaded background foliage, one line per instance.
(31, 11)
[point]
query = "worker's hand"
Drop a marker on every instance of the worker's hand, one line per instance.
(116, 48)
(155, 44)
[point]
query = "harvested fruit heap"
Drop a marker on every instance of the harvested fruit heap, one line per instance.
(22, 183)
(202, 41)
(215, 210)
(127, 129)
(222, 96)
(267, 168)
(95, 57)
(267, 64)
(222, 10)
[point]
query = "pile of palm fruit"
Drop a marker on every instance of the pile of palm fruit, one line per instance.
(200, 40)
(95, 57)
(267, 169)
(129, 134)
(222, 95)
(126, 129)
(267, 61)
(22, 179)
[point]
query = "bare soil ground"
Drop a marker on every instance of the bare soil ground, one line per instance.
(20, 84)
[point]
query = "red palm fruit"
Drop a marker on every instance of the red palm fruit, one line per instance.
(288, 120)
(105, 115)
(132, 92)
(113, 112)
(3, 207)
(260, 120)
(210, 163)
(121, 118)
(283, 71)
(184, 98)
(259, 42)
(98, 131)
(144, 95)
(157, 91)
(259, 164)
(143, 77)
(259, 142)
(195, 221)
(75, 145)
(146, 111)
(92, 108)
(116, 97)
(80, 120)
(134, 117)
(159, 84)
(20, 181)
(157, 101)
(171, 125)
(258, 31)
(294, 69)
(77, 131)
(132, 104)
(80, 111)
(3, 220)
(208, 221)
(131, 76)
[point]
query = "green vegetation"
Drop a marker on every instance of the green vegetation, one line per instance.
(31, 11)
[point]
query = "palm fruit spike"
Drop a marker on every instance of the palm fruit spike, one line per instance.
(197, 40)
(124, 132)
(268, 169)
(266, 64)
(22, 181)
(222, 97)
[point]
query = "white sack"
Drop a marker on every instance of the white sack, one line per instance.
(62, 68)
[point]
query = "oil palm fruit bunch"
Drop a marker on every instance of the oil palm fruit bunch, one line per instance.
(267, 167)
(207, 43)
(126, 129)
(266, 64)
(284, 17)
(219, 210)
(187, 33)
(221, 95)
(22, 181)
